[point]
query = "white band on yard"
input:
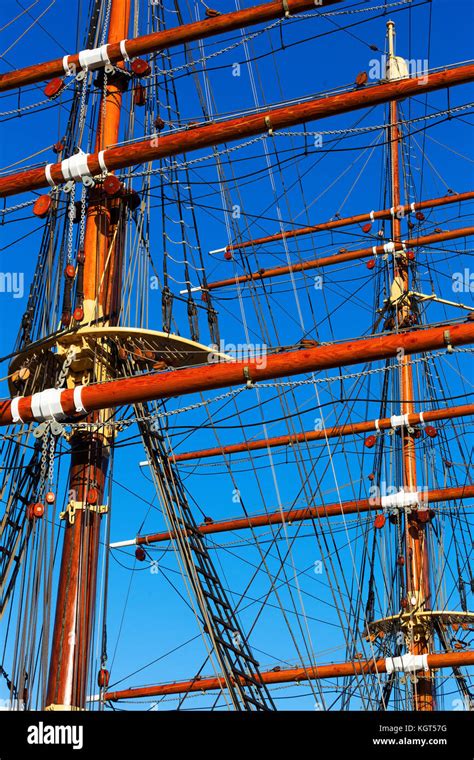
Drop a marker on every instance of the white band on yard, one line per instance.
(422, 419)
(389, 247)
(399, 420)
(101, 160)
(407, 663)
(94, 59)
(123, 50)
(79, 406)
(46, 405)
(400, 500)
(47, 174)
(377, 426)
(75, 167)
(413, 207)
(372, 216)
(14, 409)
(66, 68)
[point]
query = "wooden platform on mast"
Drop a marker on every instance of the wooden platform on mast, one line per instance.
(425, 619)
(144, 348)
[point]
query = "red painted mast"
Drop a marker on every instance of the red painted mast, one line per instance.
(235, 129)
(417, 559)
(72, 634)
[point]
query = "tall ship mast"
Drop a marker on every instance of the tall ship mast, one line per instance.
(236, 419)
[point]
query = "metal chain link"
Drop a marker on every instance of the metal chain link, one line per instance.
(82, 225)
(71, 213)
(65, 368)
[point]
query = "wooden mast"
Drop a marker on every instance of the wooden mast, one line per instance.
(417, 564)
(70, 653)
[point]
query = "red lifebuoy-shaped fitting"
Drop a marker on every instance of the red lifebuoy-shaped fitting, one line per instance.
(70, 271)
(370, 264)
(112, 185)
(92, 496)
(228, 256)
(140, 554)
(103, 678)
(423, 515)
(400, 560)
(140, 67)
(379, 522)
(78, 314)
(431, 431)
(411, 255)
(370, 441)
(50, 497)
(420, 216)
(367, 227)
(35, 510)
(42, 206)
(54, 87)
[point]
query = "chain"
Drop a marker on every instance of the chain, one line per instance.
(82, 227)
(71, 212)
(82, 108)
(65, 368)
(44, 462)
(19, 206)
(106, 22)
(52, 449)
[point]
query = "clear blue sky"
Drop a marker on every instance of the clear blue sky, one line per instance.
(147, 617)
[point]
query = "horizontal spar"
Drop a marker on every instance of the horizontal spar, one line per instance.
(307, 513)
(185, 141)
(354, 428)
(371, 216)
(57, 403)
(405, 664)
(151, 43)
(341, 258)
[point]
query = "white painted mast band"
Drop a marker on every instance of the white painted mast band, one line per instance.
(47, 174)
(123, 50)
(407, 663)
(16, 417)
(77, 397)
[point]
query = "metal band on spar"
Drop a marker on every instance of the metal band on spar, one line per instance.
(87, 165)
(55, 403)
